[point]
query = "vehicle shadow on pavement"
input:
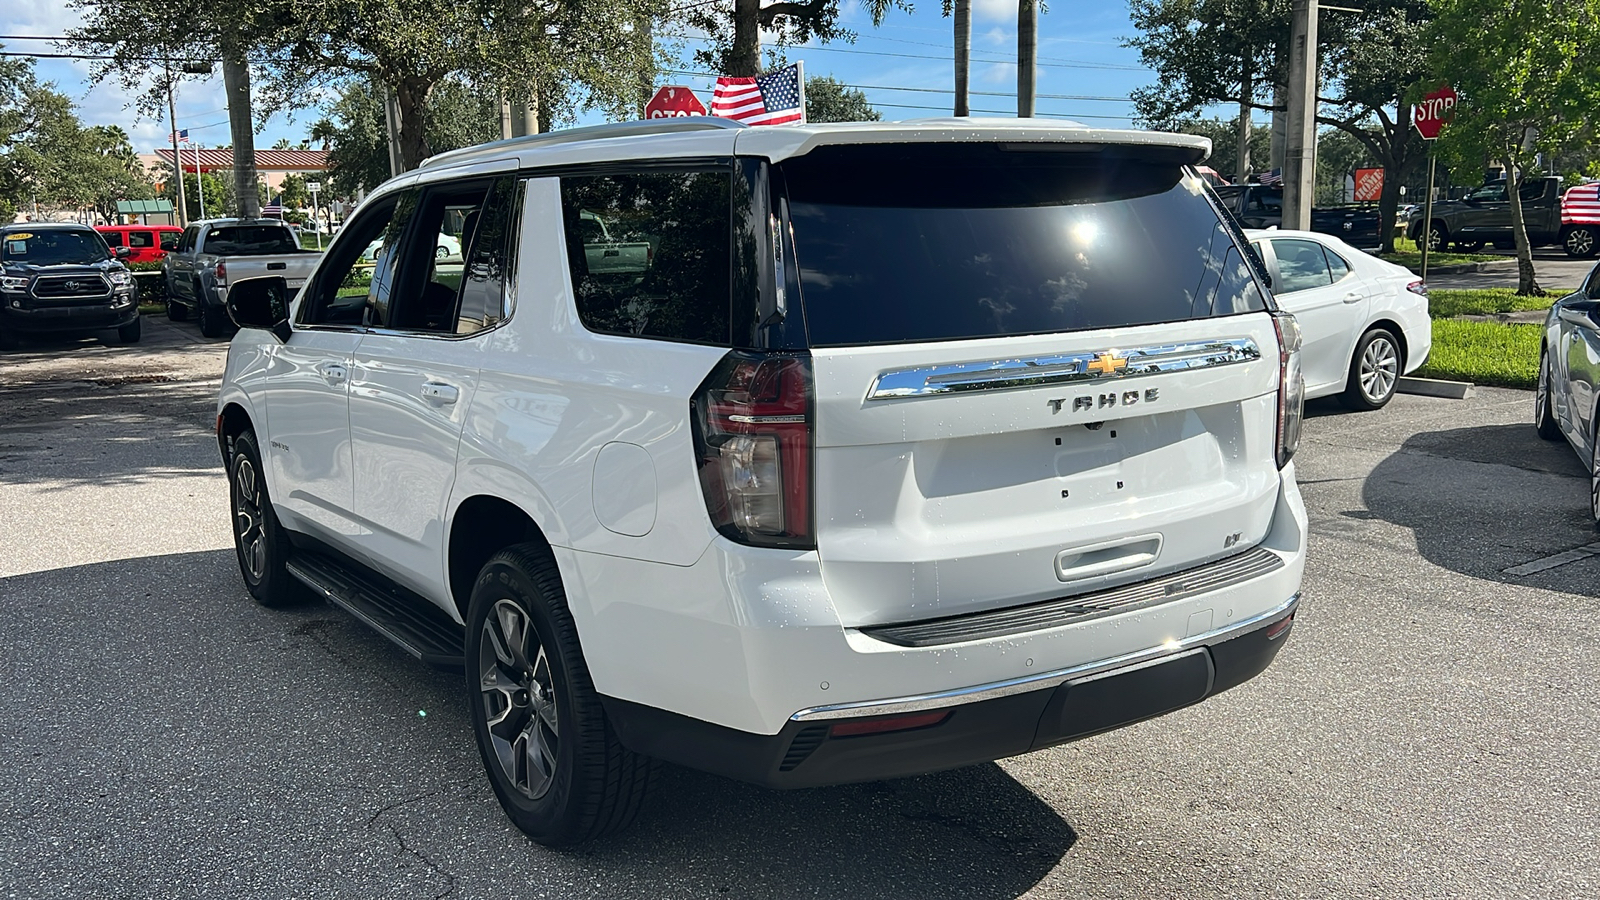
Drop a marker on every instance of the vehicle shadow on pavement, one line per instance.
(1485, 499)
(157, 721)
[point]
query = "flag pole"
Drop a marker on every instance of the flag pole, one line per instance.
(800, 74)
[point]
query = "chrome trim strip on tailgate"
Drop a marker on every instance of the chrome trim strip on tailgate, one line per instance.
(1010, 374)
(1044, 680)
(1213, 576)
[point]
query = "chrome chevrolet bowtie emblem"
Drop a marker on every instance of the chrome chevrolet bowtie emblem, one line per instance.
(1106, 364)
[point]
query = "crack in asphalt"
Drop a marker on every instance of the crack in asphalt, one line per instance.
(406, 848)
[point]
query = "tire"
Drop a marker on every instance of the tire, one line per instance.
(176, 311)
(1544, 417)
(213, 321)
(1374, 371)
(259, 540)
(556, 766)
(1438, 238)
(1594, 479)
(130, 333)
(1580, 242)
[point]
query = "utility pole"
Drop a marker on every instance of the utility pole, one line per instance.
(391, 124)
(1027, 54)
(177, 155)
(1300, 169)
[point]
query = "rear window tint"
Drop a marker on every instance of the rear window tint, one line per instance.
(930, 244)
(650, 253)
(248, 240)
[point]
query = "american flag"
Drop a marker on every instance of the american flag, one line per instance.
(275, 208)
(1581, 205)
(181, 137)
(1273, 177)
(775, 98)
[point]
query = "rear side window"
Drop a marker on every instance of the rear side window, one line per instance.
(649, 253)
(900, 244)
(113, 238)
(139, 239)
(1301, 265)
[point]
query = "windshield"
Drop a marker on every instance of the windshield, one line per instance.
(250, 240)
(929, 244)
(54, 248)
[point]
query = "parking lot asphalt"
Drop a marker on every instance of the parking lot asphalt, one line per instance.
(1430, 730)
(1556, 271)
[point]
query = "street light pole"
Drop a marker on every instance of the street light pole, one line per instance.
(1300, 168)
(199, 181)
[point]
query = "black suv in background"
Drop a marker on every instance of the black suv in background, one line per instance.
(1261, 206)
(58, 278)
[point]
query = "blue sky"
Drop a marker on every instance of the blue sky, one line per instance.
(1079, 49)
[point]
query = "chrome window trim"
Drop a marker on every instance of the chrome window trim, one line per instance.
(1026, 372)
(1044, 680)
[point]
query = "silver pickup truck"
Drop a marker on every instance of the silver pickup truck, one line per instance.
(212, 254)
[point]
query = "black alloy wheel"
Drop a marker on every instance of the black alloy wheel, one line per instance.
(1438, 238)
(258, 540)
(1544, 419)
(556, 766)
(1594, 478)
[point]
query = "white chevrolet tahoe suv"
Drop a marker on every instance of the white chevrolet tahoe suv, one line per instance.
(909, 446)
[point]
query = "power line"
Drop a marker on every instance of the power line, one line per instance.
(929, 90)
(1051, 65)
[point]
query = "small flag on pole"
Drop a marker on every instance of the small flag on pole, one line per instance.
(776, 98)
(181, 136)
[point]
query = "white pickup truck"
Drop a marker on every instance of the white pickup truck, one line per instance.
(213, 253)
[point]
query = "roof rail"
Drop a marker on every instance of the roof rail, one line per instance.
(674, 125)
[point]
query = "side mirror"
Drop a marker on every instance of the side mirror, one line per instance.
(122, 252)
(1581, 313)
(260, 303)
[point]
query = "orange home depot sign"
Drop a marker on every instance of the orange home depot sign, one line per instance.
(1369, 184)
(673, 101)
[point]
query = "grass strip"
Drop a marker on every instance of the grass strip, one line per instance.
(1443, 304)
(1486, 353)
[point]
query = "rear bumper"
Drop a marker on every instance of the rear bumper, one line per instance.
(51, 319)
(979, 725)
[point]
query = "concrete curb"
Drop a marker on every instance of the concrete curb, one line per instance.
(1433, 387)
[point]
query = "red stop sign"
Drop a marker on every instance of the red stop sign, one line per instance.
(673, 101)
(1434, 110)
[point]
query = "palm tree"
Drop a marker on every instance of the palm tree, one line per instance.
(963, 22)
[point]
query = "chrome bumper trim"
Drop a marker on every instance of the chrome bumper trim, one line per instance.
(1043, 680)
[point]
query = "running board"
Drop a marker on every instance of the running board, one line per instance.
(399, 615)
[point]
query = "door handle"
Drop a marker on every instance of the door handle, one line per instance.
(1354, 297)
(333, 373)
(440, 394)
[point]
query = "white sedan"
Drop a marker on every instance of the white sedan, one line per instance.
(1364, 321)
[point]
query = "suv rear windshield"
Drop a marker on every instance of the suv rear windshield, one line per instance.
(250, 240)
(899, 244)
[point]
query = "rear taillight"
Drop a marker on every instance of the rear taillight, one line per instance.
(1291, 386)
(222, 272)
(753, 439)
(1417, 287)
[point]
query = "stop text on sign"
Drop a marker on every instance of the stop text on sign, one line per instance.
(1430, 115)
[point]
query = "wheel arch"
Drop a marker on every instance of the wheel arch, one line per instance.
(1393, 327)
(482, 526)
(232, 420)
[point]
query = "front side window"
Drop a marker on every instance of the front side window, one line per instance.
(169, 240)
(140, 239)
(113, 238)
(929, 243)
(650, 253)
(186, 244)
(358, 272)
(1301, 265)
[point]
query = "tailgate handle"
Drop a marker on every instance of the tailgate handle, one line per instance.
(1077, 563)
(275, 267)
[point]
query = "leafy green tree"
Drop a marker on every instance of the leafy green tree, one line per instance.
(1528, 81)
(354, 136)
(1234, 51)
(1224, 137)
(828, 100)
(293, 192)
(735, 28)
